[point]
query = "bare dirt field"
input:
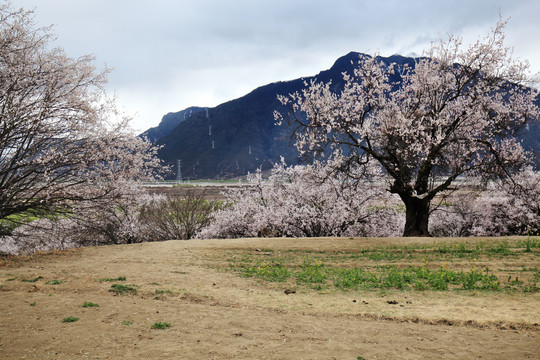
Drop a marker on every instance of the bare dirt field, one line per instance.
(216, 311)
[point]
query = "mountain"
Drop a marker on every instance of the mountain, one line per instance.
(169, 122)
(240, 136)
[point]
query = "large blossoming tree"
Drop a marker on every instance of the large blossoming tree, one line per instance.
(62, 142)
(454, 114)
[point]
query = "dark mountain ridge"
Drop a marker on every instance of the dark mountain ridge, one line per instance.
(240, 135)
(169, 122)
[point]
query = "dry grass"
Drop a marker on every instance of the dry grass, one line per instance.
(216, 313)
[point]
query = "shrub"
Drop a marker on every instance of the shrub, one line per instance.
(170, 218)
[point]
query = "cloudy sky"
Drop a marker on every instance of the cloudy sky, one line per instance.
(167, 55)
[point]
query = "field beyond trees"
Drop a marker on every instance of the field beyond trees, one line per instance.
(276, 299)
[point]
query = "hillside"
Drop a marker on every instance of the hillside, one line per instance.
(169, 122)
(240, 136)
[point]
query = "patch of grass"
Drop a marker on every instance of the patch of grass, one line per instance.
(121, 289)
(161, 325)
(162, 291)
(361, 269)
(317, 275)
(70, 319)
(411, 252)
(179, 272)
(534, 283)
(530, 243)
(33, 304)
(344, 278)
(312, 273)
(244, 258)
(397, 278)
(416, 278)
(88, 304)
(127, 323)
(32, 280)
(458, 250)
(54, 282)
(269, 271)
(383, 254)
(502, 248)
(120, 278)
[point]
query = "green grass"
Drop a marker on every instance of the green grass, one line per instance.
(88, 304)
(530, 243)
(161, 325)
(121, 289)
(54, 282)
(270, 271)
(162, 291)
(70, 319)
(422, 252)
(396, 267)
(318, 275)
(313, 274)
(127, 323)
(120, 278)
(502, 248)
(32, 280)
(459, 250)
(386, 277)
(13, 221)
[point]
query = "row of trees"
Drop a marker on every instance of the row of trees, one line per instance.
(297, 201)
(301, 201)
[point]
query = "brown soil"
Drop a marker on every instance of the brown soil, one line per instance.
(215, 314)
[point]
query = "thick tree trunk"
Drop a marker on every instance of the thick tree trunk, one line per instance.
(417, 217)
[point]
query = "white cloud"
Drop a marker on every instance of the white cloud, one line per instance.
(168, 55)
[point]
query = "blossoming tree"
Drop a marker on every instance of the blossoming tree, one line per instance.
(62, 142)
(455, 113)
(299, 201)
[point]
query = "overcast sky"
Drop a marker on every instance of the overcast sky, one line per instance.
(167, 55)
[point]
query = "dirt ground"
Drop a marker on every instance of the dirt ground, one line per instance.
(215, 314)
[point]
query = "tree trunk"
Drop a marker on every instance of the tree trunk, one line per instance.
(416, 217)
